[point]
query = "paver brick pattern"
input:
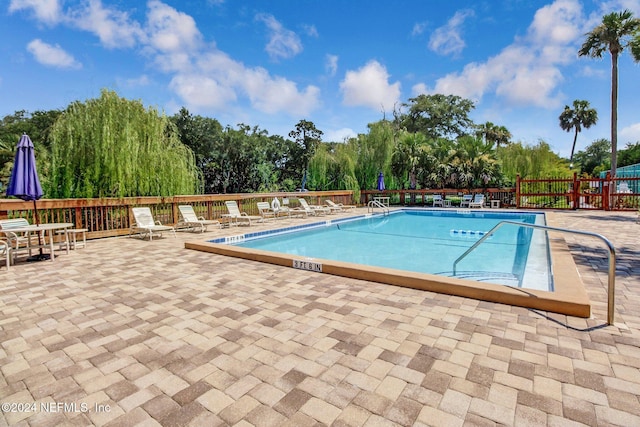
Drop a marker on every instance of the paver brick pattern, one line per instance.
(149, 333)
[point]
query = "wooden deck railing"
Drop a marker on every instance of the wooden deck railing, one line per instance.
(112, 216)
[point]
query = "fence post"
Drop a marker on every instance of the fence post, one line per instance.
(576, 191)
(518, 191)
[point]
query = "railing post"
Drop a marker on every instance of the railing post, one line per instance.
(518, 191)
(576, 191)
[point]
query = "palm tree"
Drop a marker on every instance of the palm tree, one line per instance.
(577, 118)
(493, 133)
(617, 31)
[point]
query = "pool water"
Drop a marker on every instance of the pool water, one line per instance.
(428, 242)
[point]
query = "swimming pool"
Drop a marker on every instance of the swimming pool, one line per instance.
(540, 272)
(426, 242)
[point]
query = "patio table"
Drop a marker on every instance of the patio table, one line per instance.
(43, 228)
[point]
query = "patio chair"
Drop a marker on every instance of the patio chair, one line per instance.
(188, 218)
(266, 211)
(313, 209)
(144, 224)
(338, 207)
(235, 215)
(5, 250)
(438, 201)
(17, 241)
(466, 199)
(478, 201)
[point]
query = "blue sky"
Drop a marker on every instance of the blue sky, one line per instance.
(341, 64)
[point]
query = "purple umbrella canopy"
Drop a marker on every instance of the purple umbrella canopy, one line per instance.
(24, 183)
(381, 186)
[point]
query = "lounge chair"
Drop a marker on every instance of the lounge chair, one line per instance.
(466, 199)
(235, 215)
(438, 201)
(478, 201)
(267, 211)
(188, 218)
(145, 225)
(313, 209)
(338, 207)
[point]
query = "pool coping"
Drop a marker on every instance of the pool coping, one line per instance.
(569, 296)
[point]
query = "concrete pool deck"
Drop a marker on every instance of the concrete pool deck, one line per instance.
(151, 333)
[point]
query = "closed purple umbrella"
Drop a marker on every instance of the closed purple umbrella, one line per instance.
(381, 182)
(24, 182)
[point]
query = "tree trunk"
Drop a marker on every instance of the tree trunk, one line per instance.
(614, 113)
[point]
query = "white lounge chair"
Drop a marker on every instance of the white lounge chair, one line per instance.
(144, 224)
(313, 209)
(478, 201)
(438, 201)
(188, 218)
(235, 215)
(268, 212)
(466, 199)
(338, 207)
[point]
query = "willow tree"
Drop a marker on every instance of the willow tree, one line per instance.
(113, 147)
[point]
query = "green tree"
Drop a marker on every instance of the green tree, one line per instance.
(308, 137)
(203, 135)
(374, 151)
(494, 134)
(595, 157)
(576, 118)
(437, 116)
(474, 162)
(630, 155)
(537, 161)
(113, 147)
(617, 31)
(408, 157)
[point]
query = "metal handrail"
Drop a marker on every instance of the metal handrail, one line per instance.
(376, 204)
(612, 257)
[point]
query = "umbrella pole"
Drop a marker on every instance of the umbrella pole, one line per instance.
(42, 256)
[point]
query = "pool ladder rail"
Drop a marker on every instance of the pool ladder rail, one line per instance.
(612, 257)
(373, 204)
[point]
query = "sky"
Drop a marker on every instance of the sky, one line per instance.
(340, 64)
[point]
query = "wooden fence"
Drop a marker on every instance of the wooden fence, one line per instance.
(549, 193)
(112, 216)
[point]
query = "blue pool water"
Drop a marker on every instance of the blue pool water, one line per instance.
(427, 241)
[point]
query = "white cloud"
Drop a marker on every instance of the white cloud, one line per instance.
(339, 135)
(311, 30)
(526, 72)
(202, 91)
(331, 64)
(47, 11)
(171, 31)
(283, 43)
(447, 40)
(201, 76)
(369, 86)
(275, 94)
(113, 27)
(143, 80)
(50, 55)
(418, 28)
(630, 133)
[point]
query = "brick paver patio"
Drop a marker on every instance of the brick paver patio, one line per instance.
(128, 332)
